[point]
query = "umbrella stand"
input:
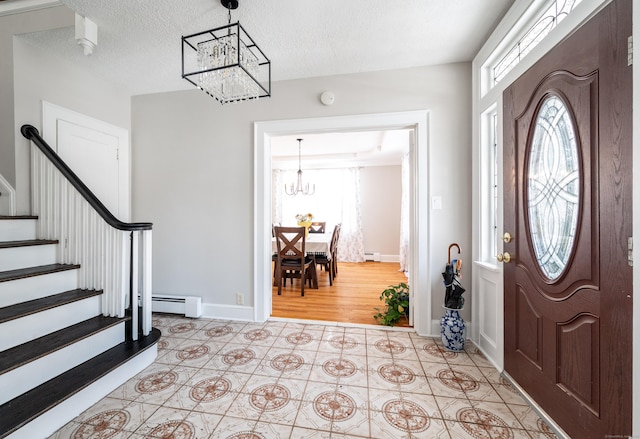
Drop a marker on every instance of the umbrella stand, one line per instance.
(452, 325)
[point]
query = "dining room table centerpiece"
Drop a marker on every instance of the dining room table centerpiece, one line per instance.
(304, 220)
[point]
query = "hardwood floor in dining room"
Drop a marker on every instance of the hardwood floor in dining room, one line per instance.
(352, 298)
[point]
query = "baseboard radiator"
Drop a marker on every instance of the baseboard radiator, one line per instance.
(372, 256)
(190, 306)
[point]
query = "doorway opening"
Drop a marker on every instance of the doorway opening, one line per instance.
(360, 180)
(417, 121)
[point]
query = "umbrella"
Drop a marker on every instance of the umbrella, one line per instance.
(453, 289)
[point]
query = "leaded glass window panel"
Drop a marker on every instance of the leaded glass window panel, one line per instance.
(554, 14)
(553, 187)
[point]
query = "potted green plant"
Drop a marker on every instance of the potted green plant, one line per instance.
(396, 299)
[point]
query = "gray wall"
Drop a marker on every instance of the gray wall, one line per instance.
(40, 77)
(192, 159)
(380, 192)
(193, 169)
(11, 25)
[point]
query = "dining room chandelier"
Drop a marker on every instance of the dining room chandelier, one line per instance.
(297, 187)
(226, 63)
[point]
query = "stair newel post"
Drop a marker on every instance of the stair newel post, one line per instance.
(133, 287)
(145, 281)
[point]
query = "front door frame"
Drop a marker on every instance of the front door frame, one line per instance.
(419, 274)
(484, 97)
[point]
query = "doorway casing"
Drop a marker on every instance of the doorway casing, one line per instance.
(419, 260)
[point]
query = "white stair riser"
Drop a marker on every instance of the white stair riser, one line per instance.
(17, 229)
(22, 379)
(22, 290)
(14, 258)
(49, 422)
(22, 330)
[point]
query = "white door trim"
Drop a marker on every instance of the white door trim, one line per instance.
(52, 113)
(419, 273)
(7, 198)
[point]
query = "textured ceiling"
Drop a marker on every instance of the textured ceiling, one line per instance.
(139, 42)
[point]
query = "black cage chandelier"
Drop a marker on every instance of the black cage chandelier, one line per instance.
(226, 63)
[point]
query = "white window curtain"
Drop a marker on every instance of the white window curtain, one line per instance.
(277, 192)
(351, 244)
(404, 216)
(336, 201)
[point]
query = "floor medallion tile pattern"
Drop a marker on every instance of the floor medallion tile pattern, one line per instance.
(287, 362)
(238, 356)
(219, 331)
(173, 430)
(210, 389)
(103, 425)
(340, 367)
(216, 379)
(334, 406)
(396, 373)
(270, 397)
(181, 328)
(156, 381)
(406, 415)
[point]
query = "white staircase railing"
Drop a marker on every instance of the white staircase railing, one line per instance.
(114, 256)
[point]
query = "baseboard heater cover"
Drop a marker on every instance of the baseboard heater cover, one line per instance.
(372, 256)
(190, 306)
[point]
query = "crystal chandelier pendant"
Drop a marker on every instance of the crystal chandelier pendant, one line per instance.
(225, 78)
(226, 63)
(298, 187)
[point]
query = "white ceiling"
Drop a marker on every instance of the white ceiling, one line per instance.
(361, 148)
(139, 41)
(139, 44)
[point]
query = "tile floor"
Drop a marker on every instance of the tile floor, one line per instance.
(226, 379)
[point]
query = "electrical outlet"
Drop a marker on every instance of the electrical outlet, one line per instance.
(240, 299)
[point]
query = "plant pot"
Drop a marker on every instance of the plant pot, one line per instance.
(453, 330)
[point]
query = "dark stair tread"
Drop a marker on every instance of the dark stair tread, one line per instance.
(18, 355)
(27, 243)
(28, 406)
(21, 273)
(23, 309)
(17, 217)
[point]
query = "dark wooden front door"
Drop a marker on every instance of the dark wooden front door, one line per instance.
(567, 203)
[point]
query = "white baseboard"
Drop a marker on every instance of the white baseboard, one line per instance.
(389, 258)
(228, 312)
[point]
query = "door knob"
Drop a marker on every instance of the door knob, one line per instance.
(504, 257)
(507, 237)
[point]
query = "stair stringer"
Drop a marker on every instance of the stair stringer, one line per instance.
(32, 326)
(55, 418)
(34, 373)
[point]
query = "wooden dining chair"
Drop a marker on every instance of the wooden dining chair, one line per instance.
(334, 249)
(327, 260)
(274, 256)
(291, 260)
(317, 227)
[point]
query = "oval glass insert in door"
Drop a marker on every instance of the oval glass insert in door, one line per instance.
(553, 186)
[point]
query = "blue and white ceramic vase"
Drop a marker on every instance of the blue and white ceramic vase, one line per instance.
(453, 330)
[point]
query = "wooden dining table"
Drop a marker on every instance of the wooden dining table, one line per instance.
(314, 243)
